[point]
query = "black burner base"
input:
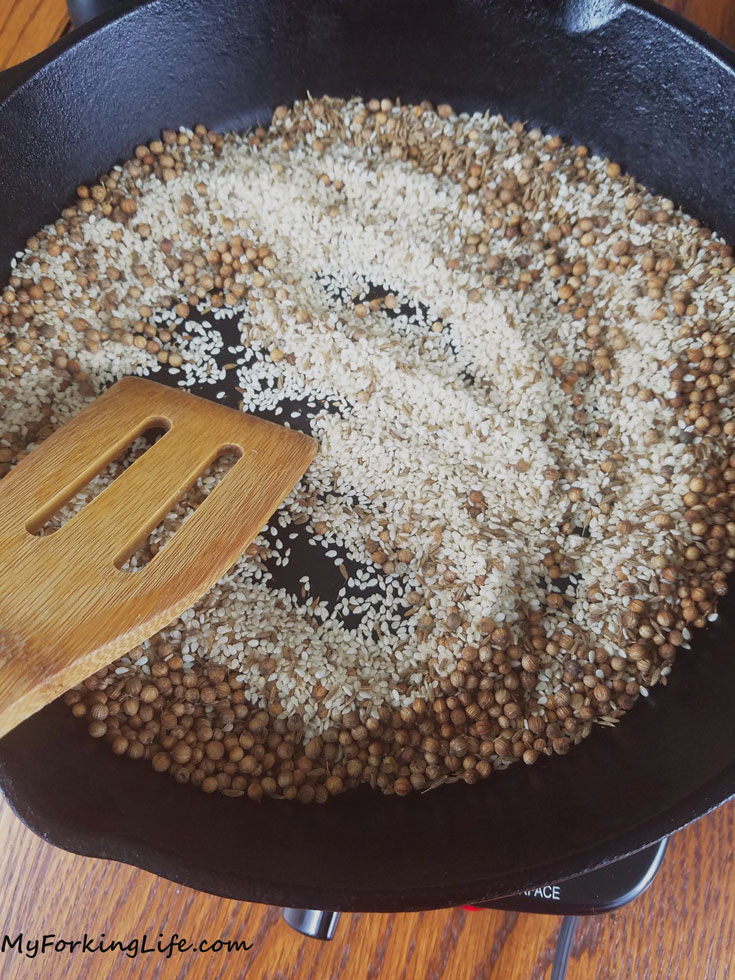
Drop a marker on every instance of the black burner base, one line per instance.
(601, 890)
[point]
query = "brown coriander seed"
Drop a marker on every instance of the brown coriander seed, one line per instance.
(120, 745)
(148, 693)
(181, 753)
(269, 785)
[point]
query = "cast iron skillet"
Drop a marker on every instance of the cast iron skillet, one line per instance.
(628, 79)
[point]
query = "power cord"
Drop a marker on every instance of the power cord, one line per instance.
(563, 947)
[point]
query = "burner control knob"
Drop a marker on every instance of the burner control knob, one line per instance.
(312, 922)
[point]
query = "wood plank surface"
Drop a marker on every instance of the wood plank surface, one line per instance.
(715, 16)
(29, 26)
(683, 928)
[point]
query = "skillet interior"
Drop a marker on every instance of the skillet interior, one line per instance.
(629, 84)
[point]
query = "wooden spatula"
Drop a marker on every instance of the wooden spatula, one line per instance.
(67, 608)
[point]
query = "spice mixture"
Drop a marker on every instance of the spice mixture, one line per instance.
(518, 365)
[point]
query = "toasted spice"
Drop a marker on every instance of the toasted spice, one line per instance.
(518, 363)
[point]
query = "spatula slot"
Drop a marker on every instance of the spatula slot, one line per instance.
(190, 500)
(108, 469)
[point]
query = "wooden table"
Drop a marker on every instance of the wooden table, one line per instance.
(683, 928)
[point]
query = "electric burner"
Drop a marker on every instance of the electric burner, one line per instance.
(601, 890)
(593, 892)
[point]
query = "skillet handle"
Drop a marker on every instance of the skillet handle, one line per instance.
(80, 11)
(584, 16)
